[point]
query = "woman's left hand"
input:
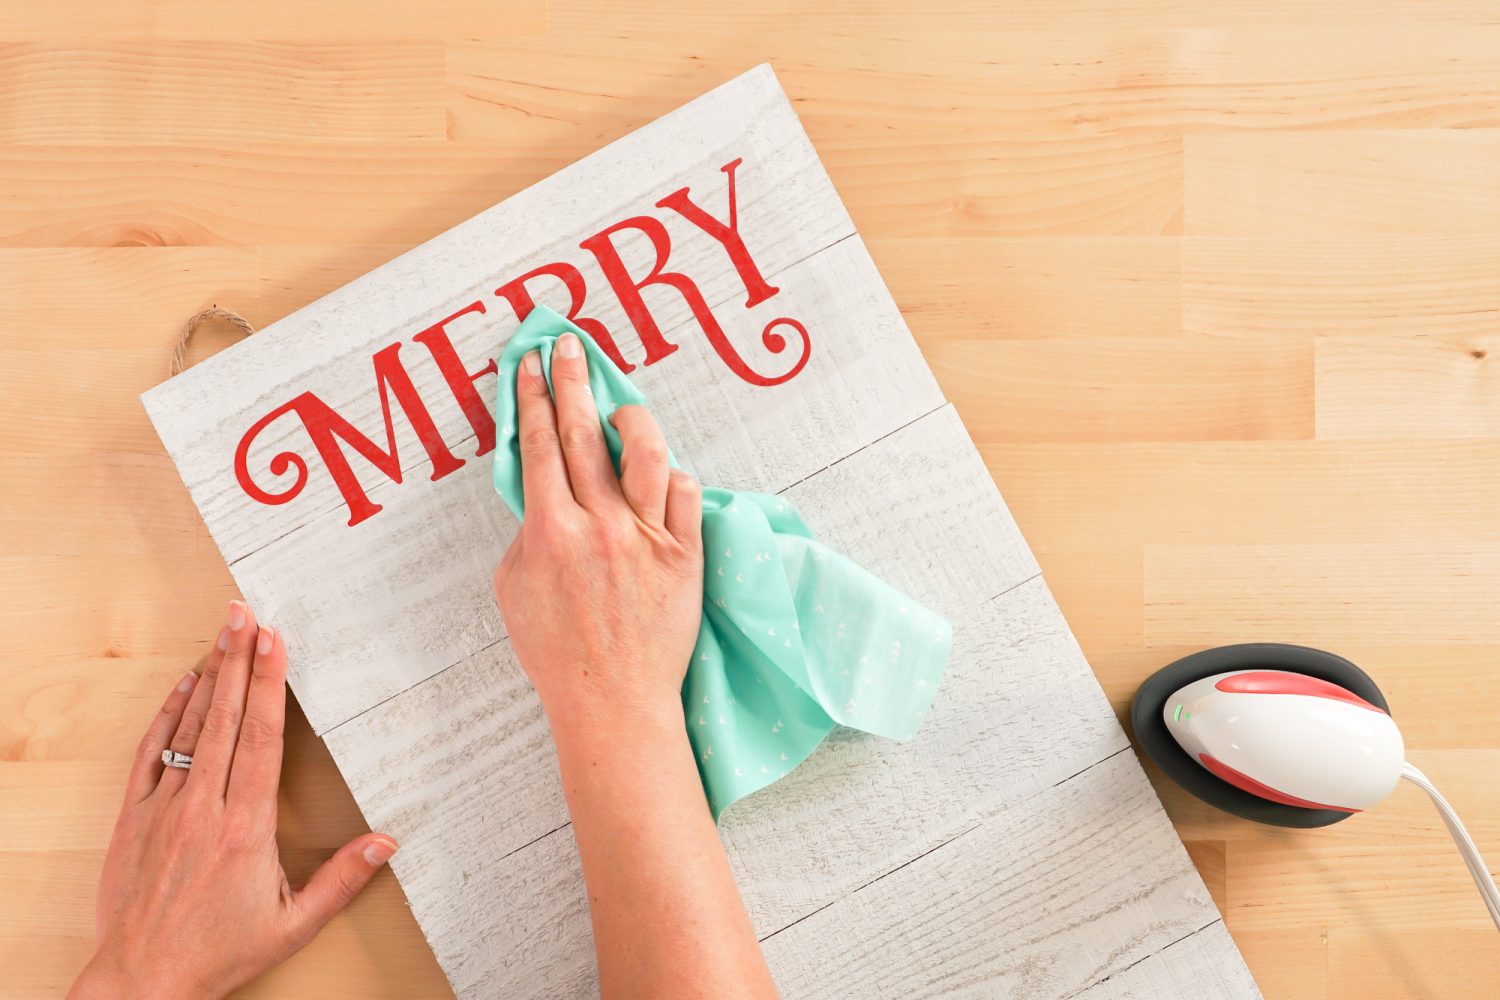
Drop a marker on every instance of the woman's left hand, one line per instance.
(193, 902)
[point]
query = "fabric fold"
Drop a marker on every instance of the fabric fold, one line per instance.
(794, 638)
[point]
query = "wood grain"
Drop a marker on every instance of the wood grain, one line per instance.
(1351, 183)
(185, 20)
(1020, 170)
(276, 92)
(947, 935)
(1067, 390)
(982, 289)
(1325, 593)
(1197, 965)
(1267, 288)
(1441, 387)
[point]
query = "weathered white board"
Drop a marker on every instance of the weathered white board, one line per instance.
(1013, 848)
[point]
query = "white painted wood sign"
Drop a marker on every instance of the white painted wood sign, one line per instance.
(341, 459)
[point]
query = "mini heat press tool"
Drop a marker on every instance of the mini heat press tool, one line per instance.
(1284, 735)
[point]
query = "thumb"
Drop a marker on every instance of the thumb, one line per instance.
(340, 879)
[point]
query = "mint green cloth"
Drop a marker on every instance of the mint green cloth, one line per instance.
(794, 637)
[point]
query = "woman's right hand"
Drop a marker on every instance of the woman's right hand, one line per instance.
(602, 588)
(603, 593)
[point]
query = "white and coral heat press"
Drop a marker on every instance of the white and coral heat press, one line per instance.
(1284, 735)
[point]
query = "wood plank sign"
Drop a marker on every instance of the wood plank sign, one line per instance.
(341, 459)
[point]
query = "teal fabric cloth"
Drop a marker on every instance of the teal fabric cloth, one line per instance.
(794, 638)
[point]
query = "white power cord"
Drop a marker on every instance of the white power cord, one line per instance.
(1477, 867)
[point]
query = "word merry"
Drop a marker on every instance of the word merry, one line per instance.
(331, 433)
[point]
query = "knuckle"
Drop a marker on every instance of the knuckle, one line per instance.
(620, 524)
(149, 747)
(628, 418)
(607, 543)
(563, 532)
(612, 535)
(652, 451)
(299, 934)
(538, 441)
(579, 435)
(185, 824)
(269, 669)
(258, 734)
(221, 719)
(242, 831)
(349, 884)
(188, 731)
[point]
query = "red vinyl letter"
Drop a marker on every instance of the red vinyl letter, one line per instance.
(459, 379)
(628, 290)
(327, 429)
(521, 301)
(657, 347)
(728, 236)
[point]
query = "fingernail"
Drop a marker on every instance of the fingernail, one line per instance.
(264, 642)
(236, 615)
(532, 362)
(223, 642)
(569, 346)
(188, 680)
(378, 852)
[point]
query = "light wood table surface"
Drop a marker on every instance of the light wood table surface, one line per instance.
(1214, 283)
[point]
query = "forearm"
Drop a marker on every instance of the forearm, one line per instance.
(668, 920)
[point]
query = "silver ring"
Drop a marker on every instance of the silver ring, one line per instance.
(172, 758)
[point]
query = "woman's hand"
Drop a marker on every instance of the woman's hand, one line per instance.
(603, 593)
(602, 589)
(193, 902)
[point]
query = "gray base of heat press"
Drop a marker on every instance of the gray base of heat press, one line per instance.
(1157, 742)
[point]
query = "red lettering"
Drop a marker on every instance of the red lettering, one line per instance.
(522, 303)
(327, 429)
(333, 436)
(629, 292)
(728, 236)
(460, 379)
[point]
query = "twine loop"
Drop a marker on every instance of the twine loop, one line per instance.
(179, 352)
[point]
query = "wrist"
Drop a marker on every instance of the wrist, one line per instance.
(106, 978)
(627, 764)
(585, 715)
(583, 718)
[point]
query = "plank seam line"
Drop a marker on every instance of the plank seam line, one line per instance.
(963, 833)
(534, 840)
(502, 638)
(1170, 944)
(383, 486)
(864, 447)
(1017, 586)
(430, 677)
(1107, 757)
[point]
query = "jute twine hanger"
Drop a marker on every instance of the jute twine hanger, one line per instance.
(179, 351)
